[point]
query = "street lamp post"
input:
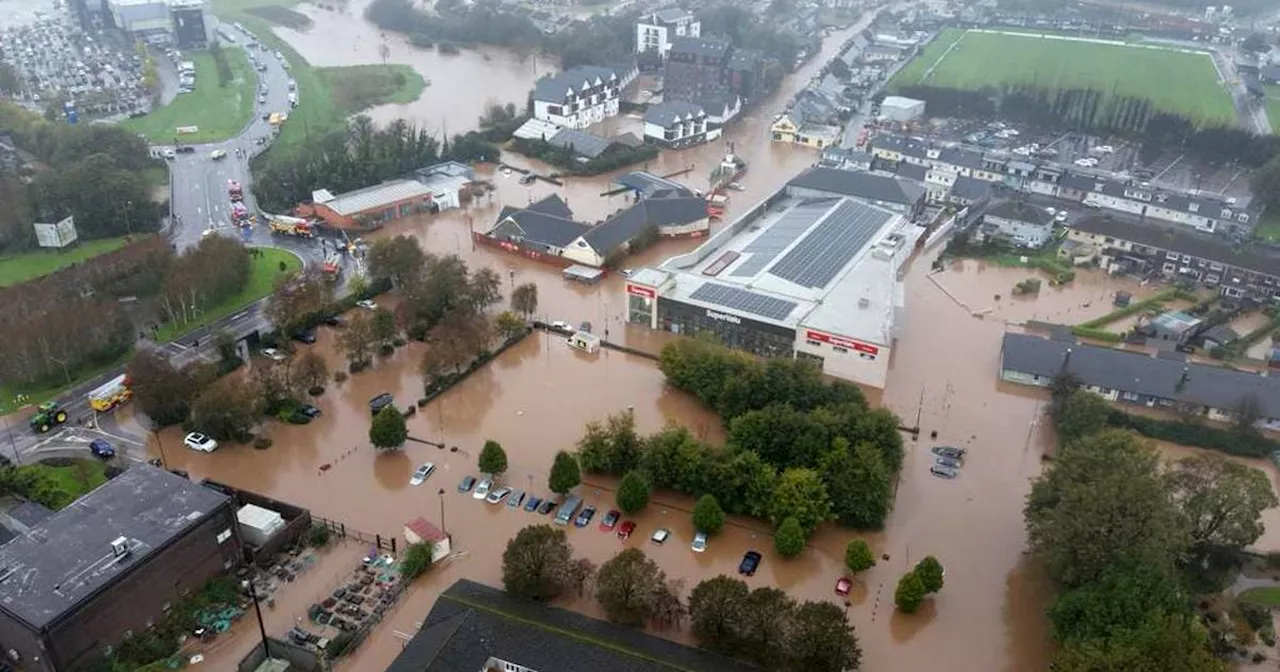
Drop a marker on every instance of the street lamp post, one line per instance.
(128, 205)
(442, 526)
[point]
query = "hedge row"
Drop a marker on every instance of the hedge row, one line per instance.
(1189, 434)
(1132, 309)
(1097, 334)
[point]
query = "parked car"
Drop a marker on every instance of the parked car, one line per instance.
(467, 483)
(516, 499)
(380, 402)
(610, 519)
(843, 584)
(547, 506)
(532, 505)
(310, 411)
(273, 354)
(498, 495)
(421, 474)
(562, 325)
(750, 563)
(200, 442)
(585, 516)
(186, 149)
(949, 462)
(307, 336)
(482, 489)
(699, 542)
(332, 320)
(218, 154)
(660, 535)
(625, 529)
(367, 304)
(101, 449)
(943, 472)
(949, 451)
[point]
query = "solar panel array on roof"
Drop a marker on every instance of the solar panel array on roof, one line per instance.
(741, 299)
(828, 248)
(790, 226)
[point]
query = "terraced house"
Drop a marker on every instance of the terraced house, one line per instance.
(580, 96)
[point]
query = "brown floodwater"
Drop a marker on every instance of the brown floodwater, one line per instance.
(536, 397)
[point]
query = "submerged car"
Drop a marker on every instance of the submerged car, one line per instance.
(750, 563)
(699, 542)
(516, 499)
(843, 585)
(200, 442)
(467, 483)
(625, 529)
(547, 506)
(943, 472)
(610, 519)
(949, 451)
(421, 474)
(482, 490)
(498, 495)
(660, 535)
(584, 518)
(532, 505)
(949, 462)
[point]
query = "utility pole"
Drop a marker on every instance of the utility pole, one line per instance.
(442, 526)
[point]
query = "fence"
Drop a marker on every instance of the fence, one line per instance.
(341, 530)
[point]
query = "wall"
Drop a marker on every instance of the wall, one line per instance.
(553, 259)
(15, 635)
(861, 361)
(300, 658)
(297, 522)
(142, 596)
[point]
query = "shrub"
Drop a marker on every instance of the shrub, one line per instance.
(417, 558)
(1188, 434)
(707, 515)
(318, 536)
(858, 556)
(423, 401)
(262, 442)
(789, 539)
(633, 492)
(909, 594)
(316, 391)
(340, 377)
(398, 342)
(387, 350)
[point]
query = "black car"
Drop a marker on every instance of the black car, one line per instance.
(308, 336)
(186, 149)
(547, 505)
(332, 321)
(309, 411)
(750, 563)
(380, 402)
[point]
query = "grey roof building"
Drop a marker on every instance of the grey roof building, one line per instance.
(473, 627)
(905, 194)
(1136, 377)
(560, 87)
(655, 212)
(580, 142)
(668, 113)
(113, 561)
(547, 225)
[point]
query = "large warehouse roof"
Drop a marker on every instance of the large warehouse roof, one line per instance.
(829, 263)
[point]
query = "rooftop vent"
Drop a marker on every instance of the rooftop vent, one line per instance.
(864, 303)
(120, 547)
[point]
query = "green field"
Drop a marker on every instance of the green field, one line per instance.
(262, 279)
(1176, 82)
(23, 267)
(218, 112)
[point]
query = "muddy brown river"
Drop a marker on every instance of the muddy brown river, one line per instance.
(536, 397)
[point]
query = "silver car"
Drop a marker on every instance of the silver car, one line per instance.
(497, 495)
(943, 472)
(482, 490)
(699, 542)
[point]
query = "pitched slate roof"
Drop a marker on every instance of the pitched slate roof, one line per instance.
(672, 14)
(581, 142)
(1182, 241)
(668, 113)
(912, 171)
(549, 222)
(971, 188)
(1020, 212)
(1136, 372)
(613, 232)
(471, 623)
(861, 185)
(745, 59)
(556, 88)
(700, 46)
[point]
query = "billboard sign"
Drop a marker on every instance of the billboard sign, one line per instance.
(841, 342)
(57, 235)
(641, 291)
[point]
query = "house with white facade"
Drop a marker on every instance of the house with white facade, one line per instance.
(1018, 224)
(676, 124)
(578, 97)
(655, 32)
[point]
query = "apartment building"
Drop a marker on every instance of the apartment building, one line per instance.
(655, 32)
(578, 97)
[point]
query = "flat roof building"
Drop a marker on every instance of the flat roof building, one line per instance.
(370, 207)
(808, 273)
(113, 562)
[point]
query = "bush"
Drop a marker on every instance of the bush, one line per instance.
(909, 594)
(387, 350)
(858, 556)
(707, 515)
(1097, 334)
(789, 539)
(340, 377)
(318, 536)
(633, 492)
(423, 401)
(1188, 434)
(316, 391)
(398, 342)
(262, 442)
(417, 558)
(339, 645)
(357, 367)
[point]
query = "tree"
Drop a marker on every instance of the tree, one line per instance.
(400, 260)
(801, 495)
(1222, 501)
(524, 299)
(383, 326)
(493, 459)
(565, 475)
(357, 340)
(669, 610)
(767, 617)
(930, 572)
(309, 370)
(581, 573)
(388, 431)
(297, 299)
(715, 610)
(1163, 642)
(275, 387)
(789, 538)
(163, 392)
(1122, 598)
(417, 558)
(1255, 42)
(633, 492)
(707, 515)
(227, 410)
(858, 556)
(1080, 414)
(1265, 182)
(910, 593)
(1101, 501)
(510, 325)
(858, 482)
(628, 586)
(536, 564)
(822, 640)
(611, 448)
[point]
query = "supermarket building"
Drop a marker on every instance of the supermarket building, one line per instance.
(808, 273)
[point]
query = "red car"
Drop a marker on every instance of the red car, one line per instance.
(610, 519)
(843, 585)
(626, 529)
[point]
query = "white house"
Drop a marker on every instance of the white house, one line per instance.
(578, 97)
(656, 31)
(676, 124)
(1018, 223)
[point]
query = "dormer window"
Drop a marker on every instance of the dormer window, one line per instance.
(1161, 198)
(1193, 207)
(1226, 212)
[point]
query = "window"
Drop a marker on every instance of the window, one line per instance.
(166, 607)
(224, 535)
(128, 634)
(1129, 396)
(816, 344)
(843, 351)
(867, 356)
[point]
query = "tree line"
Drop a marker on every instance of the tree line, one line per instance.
(1130, 542)
(764, 626)
(57, 326)
(1093, 111)
(92, 172)
(800, 451)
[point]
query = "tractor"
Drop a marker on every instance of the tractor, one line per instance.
(48, 415)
